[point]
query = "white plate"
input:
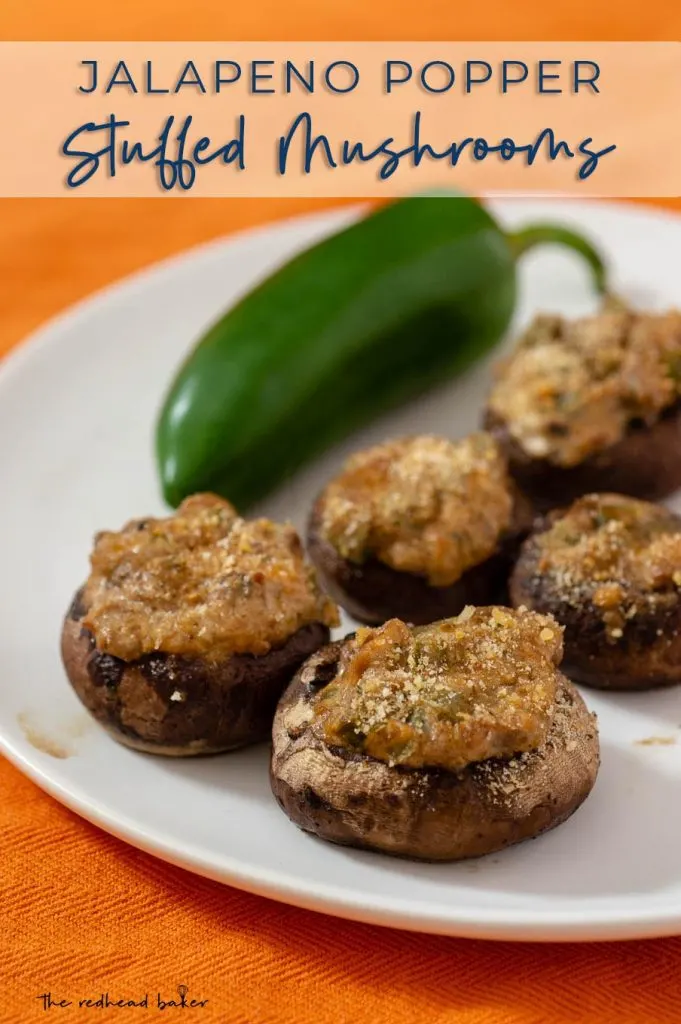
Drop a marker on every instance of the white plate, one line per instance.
(76, 412)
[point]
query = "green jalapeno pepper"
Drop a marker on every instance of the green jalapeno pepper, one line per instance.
(364, 320)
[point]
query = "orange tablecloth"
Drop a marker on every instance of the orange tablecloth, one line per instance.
(81, 912)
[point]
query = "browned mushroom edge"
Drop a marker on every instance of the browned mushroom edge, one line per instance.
(182, 706)
(427, 814)
(646, 655)
(373, 592)
(645, 463)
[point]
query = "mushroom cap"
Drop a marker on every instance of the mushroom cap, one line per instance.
(372, 591)
(424, 813)
(643, 653)
(645, 463)
(179, 706)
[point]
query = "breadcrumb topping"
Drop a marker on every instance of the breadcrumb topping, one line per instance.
(572, 388)
(481, 685)
(201, 582)
(620, 554)
(423, 505)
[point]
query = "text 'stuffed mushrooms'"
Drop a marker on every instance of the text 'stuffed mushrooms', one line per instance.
(188, 628)
(608, 568)
(418, 528)
(438, 742)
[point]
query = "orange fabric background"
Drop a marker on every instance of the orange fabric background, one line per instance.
(82, 912)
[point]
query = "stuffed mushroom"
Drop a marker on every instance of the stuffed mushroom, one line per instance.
(188, 629)
(592, 405)
(608, 568)
(418, 528)
(438, 742)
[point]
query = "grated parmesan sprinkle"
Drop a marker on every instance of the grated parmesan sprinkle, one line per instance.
(571, 388)
(201, 582)
(423, 505)
(618, 554)
(479, 686)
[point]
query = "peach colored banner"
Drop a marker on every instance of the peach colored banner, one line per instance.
(339, 119)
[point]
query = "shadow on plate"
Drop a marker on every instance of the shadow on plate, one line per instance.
(241, 772)
(626, 838)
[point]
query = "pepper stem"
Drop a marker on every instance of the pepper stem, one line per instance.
(554, 234)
